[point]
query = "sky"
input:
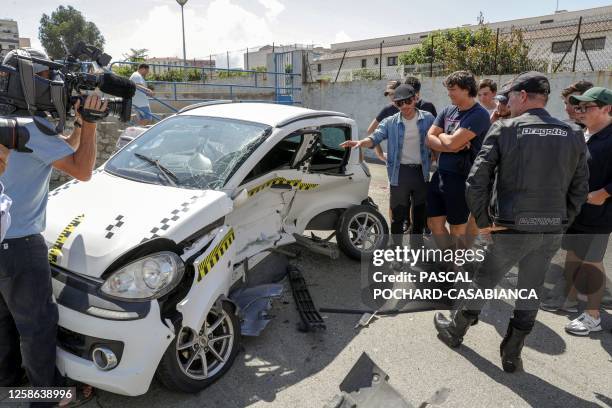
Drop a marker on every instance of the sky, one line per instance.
(214, 26)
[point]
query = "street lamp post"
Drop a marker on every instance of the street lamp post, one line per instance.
(182, 3)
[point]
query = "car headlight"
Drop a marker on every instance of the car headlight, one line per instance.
(147, 278)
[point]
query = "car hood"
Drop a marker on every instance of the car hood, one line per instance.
(90, 224)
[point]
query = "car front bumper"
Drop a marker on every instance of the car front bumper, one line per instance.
(136, 334)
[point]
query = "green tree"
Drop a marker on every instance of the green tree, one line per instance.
(67, 24)
(475, 51)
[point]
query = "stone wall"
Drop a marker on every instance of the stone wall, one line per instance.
(362, 100)
(107, 135)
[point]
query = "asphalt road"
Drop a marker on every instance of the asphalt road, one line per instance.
(286, 368)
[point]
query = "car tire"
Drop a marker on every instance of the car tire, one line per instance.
(172, 371)
(354, 223)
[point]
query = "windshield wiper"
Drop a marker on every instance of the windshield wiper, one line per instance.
(168, 174)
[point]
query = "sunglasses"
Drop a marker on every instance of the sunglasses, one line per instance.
(403, 102)
(584, 108)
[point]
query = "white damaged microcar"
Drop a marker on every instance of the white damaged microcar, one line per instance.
(145, 255)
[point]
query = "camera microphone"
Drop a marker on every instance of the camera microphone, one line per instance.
(115, 85)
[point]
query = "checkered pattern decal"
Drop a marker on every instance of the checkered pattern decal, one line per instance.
(215, 255)
(112, 228)
(56, 249)
(281, 180)
(167, 222)
(63, 187)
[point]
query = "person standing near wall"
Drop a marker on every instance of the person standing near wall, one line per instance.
(586, 240)
(487, 89)
(536, 197)
(577, 88)
(408, 158)
(140, 102)
(385, 112)
(457, 133)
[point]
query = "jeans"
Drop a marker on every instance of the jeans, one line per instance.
(28, 313)
(411, 188)
(533, 253)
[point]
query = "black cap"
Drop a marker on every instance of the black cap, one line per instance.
(403, 92)
(532, 82)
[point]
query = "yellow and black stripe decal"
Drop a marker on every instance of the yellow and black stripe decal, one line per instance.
(56, 249)
(281, 180)
(217, 253)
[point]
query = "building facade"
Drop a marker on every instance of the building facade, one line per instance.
(163, 64)
(550, 37)
(9, 36)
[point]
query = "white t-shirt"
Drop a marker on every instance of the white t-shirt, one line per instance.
(587, 135)
(140, 98)
(411, 151)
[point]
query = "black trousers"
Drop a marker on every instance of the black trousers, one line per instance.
(411, 189)
(28, 313)
(533, 253)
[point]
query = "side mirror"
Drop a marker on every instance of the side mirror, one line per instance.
(241, 198)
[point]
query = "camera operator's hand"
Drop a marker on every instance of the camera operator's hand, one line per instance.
(4, 153)
(92, 106)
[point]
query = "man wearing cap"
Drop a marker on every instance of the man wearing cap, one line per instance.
(536, 197)
(587, 238)
(577, 88)
(408, 158)
(28, 312)
(502, 111)
(385, 112)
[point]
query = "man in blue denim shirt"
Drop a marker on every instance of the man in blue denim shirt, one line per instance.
(408, 158)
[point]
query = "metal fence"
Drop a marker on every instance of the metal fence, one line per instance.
(194, 83)
(581, 44)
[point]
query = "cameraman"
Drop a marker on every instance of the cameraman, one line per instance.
(28, 312)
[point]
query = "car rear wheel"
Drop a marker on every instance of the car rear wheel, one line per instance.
(197, 358)
(362, 230)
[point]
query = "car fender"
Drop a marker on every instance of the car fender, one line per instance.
(212, 279)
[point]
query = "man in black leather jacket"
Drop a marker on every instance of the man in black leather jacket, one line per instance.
(526, 186)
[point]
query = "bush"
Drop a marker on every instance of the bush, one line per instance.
(124, 70)
(365, 74)
(474, 51)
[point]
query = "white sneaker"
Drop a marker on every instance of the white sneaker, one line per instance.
(583, 325)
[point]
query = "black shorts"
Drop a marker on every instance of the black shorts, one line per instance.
(446, 197)
(587, 246)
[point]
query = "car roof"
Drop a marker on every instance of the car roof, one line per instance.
(272, 114)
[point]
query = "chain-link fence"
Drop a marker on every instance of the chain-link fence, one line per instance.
(583, 44)
(580, 44)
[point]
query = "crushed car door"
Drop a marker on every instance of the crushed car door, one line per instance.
(271, 186)
(323, 168)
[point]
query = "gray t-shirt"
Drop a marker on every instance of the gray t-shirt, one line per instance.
(411, 150)
(26, 180)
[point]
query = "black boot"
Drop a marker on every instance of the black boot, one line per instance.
(452, 331)
(510, 348)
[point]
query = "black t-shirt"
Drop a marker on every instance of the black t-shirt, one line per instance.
(597, 219)
(475, 119)
(387, 111)
(427, 107)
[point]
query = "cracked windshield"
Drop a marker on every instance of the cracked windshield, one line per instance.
(189, 152)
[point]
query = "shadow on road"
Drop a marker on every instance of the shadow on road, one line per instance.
(535, 391)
